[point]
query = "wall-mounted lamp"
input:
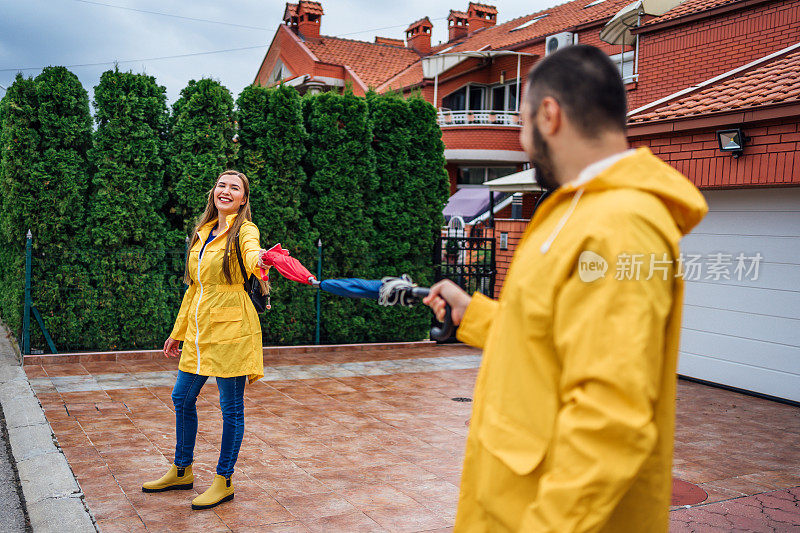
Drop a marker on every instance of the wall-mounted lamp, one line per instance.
(732, 141)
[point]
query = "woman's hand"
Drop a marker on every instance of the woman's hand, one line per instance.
(444, 292)
(261, 263)
(171, 348)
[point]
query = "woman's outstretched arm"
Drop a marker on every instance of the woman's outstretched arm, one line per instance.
(249, 238)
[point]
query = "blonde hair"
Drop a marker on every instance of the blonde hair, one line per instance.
(211, 213)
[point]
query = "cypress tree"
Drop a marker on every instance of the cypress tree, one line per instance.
(60, 285)
(201, 147)
(271, 139)
(429, 182)
(19, 142)
(342, 174)
(389, 210)
(46, 135)
(135, 308)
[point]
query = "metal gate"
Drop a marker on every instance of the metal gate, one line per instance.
(468, 258)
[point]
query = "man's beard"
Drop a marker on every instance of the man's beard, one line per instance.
(543, 163)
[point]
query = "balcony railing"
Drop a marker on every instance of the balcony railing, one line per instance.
(448, 118)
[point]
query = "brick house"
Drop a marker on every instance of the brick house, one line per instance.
(702, 67)
(478, 95)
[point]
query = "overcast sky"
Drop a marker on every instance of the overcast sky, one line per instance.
(37, 33)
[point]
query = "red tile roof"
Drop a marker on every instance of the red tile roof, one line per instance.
(559, 18)
(456, 14)
(405, 78)
(390, 41)
(689, 7)
(374, 63)
(776, 81)
(290, 11)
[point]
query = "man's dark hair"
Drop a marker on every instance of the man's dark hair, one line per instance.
(587, 86)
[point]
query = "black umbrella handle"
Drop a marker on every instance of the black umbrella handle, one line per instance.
(444, 332)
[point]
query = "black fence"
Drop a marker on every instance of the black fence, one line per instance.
(468, 258)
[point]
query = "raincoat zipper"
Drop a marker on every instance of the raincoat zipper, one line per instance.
(200, 298)
(197, 309)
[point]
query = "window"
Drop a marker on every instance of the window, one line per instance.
(456, 101)
(278, 73)
(626, 64)
(528, 23)
(504, 97)
(475, 176)
(476, 97)
(498, 172)
(499, 98)
(467, 98)
(512, 97)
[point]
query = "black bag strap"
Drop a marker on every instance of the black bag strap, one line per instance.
(241, 265)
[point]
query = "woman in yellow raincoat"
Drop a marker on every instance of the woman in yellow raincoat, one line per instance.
(221, 335)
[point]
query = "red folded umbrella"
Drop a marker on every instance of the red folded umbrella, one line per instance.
(286, 265)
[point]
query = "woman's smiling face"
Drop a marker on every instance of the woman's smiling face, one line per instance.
(229, 194)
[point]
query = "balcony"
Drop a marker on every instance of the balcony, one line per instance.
(447, 118)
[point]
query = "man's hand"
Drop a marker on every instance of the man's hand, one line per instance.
(171, 348)
(446, 291)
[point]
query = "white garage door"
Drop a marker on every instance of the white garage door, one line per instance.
(744, 331)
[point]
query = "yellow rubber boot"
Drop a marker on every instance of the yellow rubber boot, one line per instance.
(220, 491)
(175, 479)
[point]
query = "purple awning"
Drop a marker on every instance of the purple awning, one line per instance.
(469, 203)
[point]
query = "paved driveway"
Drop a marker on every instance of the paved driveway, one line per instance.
(373, 441)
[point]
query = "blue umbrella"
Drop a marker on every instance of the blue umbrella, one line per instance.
(387, 291)
(352, 287)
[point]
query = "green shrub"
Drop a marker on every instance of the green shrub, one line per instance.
(19, 142)
(272, 145)
(201, 147)
(134, 304)
(341, 163)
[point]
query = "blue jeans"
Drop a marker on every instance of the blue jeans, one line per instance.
(231, 400)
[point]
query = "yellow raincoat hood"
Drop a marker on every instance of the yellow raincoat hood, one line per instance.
(573, 417)
(681, 198)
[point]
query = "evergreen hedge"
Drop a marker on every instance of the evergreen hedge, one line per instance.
(407, 204)
(366, 175)
(19, 142)
(429, 183)
(341, 166)
(60, 218)
(134, 306)
(201, 147)
(272, 140)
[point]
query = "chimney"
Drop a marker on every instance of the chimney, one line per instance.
(390, 41)
(481, 16)
(418, 36)
(290, 16)
(309, 17)
(458, 25)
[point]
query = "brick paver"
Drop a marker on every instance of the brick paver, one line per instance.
(369, 441)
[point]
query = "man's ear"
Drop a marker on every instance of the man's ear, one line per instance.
(549, 117)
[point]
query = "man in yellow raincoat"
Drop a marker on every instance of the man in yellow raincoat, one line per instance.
(573, 418)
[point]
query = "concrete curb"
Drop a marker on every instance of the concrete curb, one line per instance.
(53, 498)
